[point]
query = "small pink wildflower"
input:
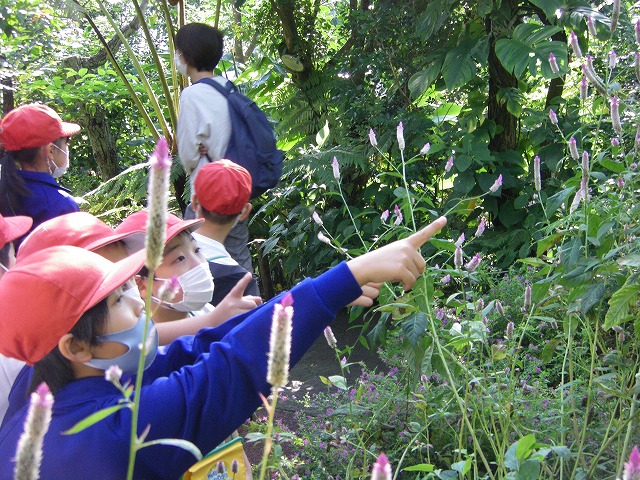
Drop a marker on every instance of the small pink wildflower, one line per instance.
(473, 263)
(527, 297)
(620, 182)
(323, 238)
(385, 216)
(157, 200)
(615, 142)
(446, 279)
(613, 59)
(632, 467)
(496, 185)
(372, 138)
(481, 227)
(425, 149)
(449, 165)
(316, 218)
(591, 26)
(336, 168)
(398, 213)
(280, 342)
(509, 331)
(537, 180)
(460, 240)
(169, 289)
(584, 89)
(381, 469)
(457, 257)
(330, 337)
(499, 308)
(400, 135)
(113, 374)
(553, 117)
(575, 44)
(553, 63)
(573, 149)
(615, 115)
(160, 157)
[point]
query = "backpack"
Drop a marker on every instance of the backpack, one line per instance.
(253, 141)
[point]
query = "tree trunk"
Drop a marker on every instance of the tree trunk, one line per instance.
(96, 127)
(506, 138)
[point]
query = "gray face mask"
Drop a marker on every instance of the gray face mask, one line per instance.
(131, 338)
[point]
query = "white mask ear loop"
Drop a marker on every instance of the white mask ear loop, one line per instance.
(3, 267)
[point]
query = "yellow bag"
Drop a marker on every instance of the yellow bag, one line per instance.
(207, 468)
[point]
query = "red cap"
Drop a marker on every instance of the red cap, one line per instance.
(137, 223)
(45, 295)
(33, 125)
(13, 227)
(79, 229)
(223, 187)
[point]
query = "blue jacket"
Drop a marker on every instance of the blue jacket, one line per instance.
(199, 390)
(46, 200)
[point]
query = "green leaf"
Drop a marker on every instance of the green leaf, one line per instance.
(554, 202)
(615, 167)
(322, 135)
(94, 418)
(549, 350)
(525, 446)
(176, 442)
(421, 81)
(549, 6)
(414, 327)
(591, 296)
(459, 66)
(422, 467)
(514, 98)
(619, 303)
(632, 260)
(338, 381)
(529, 470)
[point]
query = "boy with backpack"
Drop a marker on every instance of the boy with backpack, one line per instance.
(216, 121)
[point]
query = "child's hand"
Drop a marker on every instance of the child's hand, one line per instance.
(399, 261)
(235, 303)
(370, 292)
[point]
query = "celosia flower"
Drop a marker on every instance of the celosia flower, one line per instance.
(473, 263)
(509, 331)
(381, 469)
(481, 227)
(576, 201)
(398, 213)
(615, 115)
(425, 149)
(169, 289)
(385, 216)
(553, 63)
(499, 308)
(330, 337)
(480, 305)
(636, 64)
(372, 138)
(620, 182)
(575, 44)
(615, 141)
(400, 135)
(584, 89)
(537, 180)
(113, 374)
(316, 218)
(573, 149)
(446, 279)
(553, 117)
(457, 258)
(323, 238)
(496, 185)
(336, 168)
(158, 194)
(460, 240)
(29, 451)
(591, 26)
(637, 29)
(449, 165)
(527, 297)
(280, 342)
(632, 467)
(615, 15)
(613, 59)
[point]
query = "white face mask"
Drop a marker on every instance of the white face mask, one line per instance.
(181, 67)
(197, 289)
(57, 171)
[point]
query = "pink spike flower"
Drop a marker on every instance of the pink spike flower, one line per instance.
(381, 469)
(632, 467)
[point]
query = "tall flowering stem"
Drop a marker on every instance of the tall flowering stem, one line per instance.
(400, 137)
(336, 175)
(158, 194)
(278, 366)
(29, 453)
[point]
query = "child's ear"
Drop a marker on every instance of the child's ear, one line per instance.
(195, 205)
(246, 210)
(73, 349)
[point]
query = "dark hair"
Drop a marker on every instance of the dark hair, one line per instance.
(54, 368)
(12, 185)
(217, 218)
(200, 45)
